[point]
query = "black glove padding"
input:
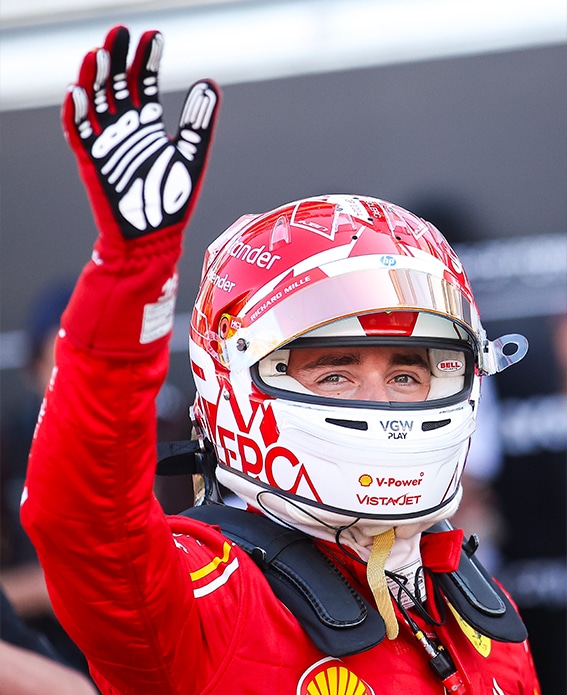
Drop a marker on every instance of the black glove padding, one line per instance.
(139, 179)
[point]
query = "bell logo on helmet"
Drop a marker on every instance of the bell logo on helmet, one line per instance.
(450, 366)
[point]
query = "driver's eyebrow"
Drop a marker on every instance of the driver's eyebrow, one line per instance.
(331, 360)
(408, 359)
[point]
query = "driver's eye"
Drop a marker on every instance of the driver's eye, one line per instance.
(330, 379)
(405, 379)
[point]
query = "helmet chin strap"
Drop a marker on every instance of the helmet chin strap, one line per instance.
(375, 573)
(391, 553)
(390, 550)
(347, 529)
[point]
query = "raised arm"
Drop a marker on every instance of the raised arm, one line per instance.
(109, 557)
(142, 186)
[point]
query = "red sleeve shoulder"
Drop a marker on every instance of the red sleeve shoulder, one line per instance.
(122, 584)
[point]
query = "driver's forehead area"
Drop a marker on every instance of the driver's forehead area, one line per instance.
(361, 358)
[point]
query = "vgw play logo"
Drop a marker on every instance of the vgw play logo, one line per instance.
(397, 429)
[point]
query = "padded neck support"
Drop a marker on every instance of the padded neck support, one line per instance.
(340, 621)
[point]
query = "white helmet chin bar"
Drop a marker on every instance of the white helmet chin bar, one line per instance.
(355, 532)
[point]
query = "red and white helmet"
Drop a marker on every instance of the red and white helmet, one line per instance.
(332, 271)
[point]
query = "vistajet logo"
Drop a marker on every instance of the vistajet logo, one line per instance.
(404, 500)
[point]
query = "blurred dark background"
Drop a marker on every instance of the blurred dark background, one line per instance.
(477, 144)
(481, 136)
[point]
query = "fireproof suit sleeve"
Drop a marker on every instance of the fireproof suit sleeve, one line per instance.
(113, 569)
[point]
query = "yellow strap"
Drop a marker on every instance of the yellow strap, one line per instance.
(381, 549)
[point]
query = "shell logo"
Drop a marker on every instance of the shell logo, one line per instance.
(331, 677)
(365, 480)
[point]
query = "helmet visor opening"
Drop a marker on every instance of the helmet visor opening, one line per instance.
(377, 371)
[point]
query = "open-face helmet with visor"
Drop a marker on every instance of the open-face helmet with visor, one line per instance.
(290, 305)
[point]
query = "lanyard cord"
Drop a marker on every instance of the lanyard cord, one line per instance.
(417, 600)
(440, 660)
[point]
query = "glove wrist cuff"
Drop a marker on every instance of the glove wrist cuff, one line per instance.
(123, 304)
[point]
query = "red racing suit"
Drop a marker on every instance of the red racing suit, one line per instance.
(169, 606)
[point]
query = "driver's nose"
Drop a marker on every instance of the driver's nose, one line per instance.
(373, 388)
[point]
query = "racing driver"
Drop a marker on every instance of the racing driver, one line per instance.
(337, 354)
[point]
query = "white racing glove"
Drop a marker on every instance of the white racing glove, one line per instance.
(142, 185)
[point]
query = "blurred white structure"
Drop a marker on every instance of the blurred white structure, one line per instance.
(42, 41)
